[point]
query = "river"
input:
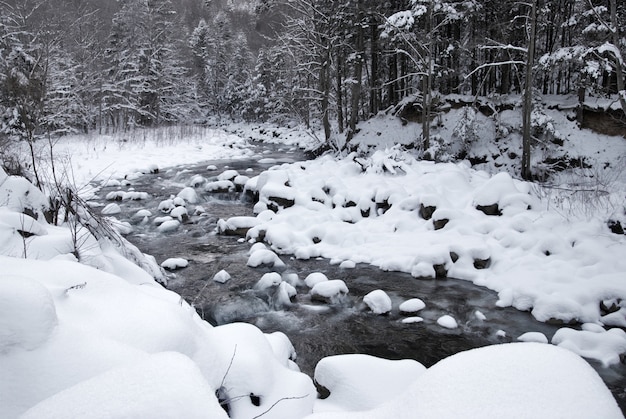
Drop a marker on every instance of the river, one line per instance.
(317, 329)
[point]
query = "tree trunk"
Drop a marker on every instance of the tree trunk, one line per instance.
(358, 75)
(528, 94)
(619, 71)
(340, 91)
(428, 85)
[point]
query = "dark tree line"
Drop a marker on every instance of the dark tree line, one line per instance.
(71, 65)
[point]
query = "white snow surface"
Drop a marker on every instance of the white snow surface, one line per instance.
(518, 380)
(362, 382)
(378, 301)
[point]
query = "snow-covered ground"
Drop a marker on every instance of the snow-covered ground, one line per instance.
(84, 332)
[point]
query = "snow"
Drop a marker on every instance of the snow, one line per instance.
(265, 257)
(537, 337)
(521, 380)
(314, 278)
(270, 279)
(412, 306)
(349, 378)
(174, 263)
(137, 391)
(378, 301)
(221, 277)
(604, 346)
(330, 289)
(447, 321)
(412, 319)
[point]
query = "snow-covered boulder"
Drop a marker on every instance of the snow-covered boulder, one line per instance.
(265, 257)
(329, 291)
(362, 382)
(174, 263)
(111, 209)
(378, 301)
(236, 226)
(27, 313)
(189, 194)
(270, 279)
(314, 278)
(447, 321)
(221, 277)
(168, 226)
(605, 346)
(537, 337)
(517, 380)
(412, 306)
(219, 186)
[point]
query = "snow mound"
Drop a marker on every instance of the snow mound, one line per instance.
(412, 306)
(537, 337)
(221, 277)
(27, 313)
(378, 301)
(517, 380)
(188, 194)
(447, 321)
(164, 385)
(174, 263)
(362, 382)
(329, 290)
(270, 279)
(604, 346)
(314, 278)
(265, 257)
(111, 209)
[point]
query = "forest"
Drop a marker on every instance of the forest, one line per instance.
(80, 66)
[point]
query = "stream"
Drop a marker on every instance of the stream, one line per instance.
(316, 329)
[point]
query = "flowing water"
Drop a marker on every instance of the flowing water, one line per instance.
(318, 329)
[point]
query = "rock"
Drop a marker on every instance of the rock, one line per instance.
(426, 212)
(221, 277)
(378, 301)
(412, 306)
(329, 291)
(447, 321)
(492, 209)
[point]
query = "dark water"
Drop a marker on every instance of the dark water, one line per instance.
(317, 329)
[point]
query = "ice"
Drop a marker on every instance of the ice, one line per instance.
(447, 321)
(413, 319)
(378, 301)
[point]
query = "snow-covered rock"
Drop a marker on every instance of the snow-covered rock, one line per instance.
(27, 314)
(168, 226)
(606, 347)
(111, 209)
(221, 277)
(314, 278)
(486, 383)
(537, 337)
(268, 280)
(378, 301)
(265, 257)
(447, 321)
(189, 194)
(329, 291)
(174, 263)
(362, 382)
(412, 305)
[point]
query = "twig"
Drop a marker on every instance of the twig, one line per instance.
(278, 401)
